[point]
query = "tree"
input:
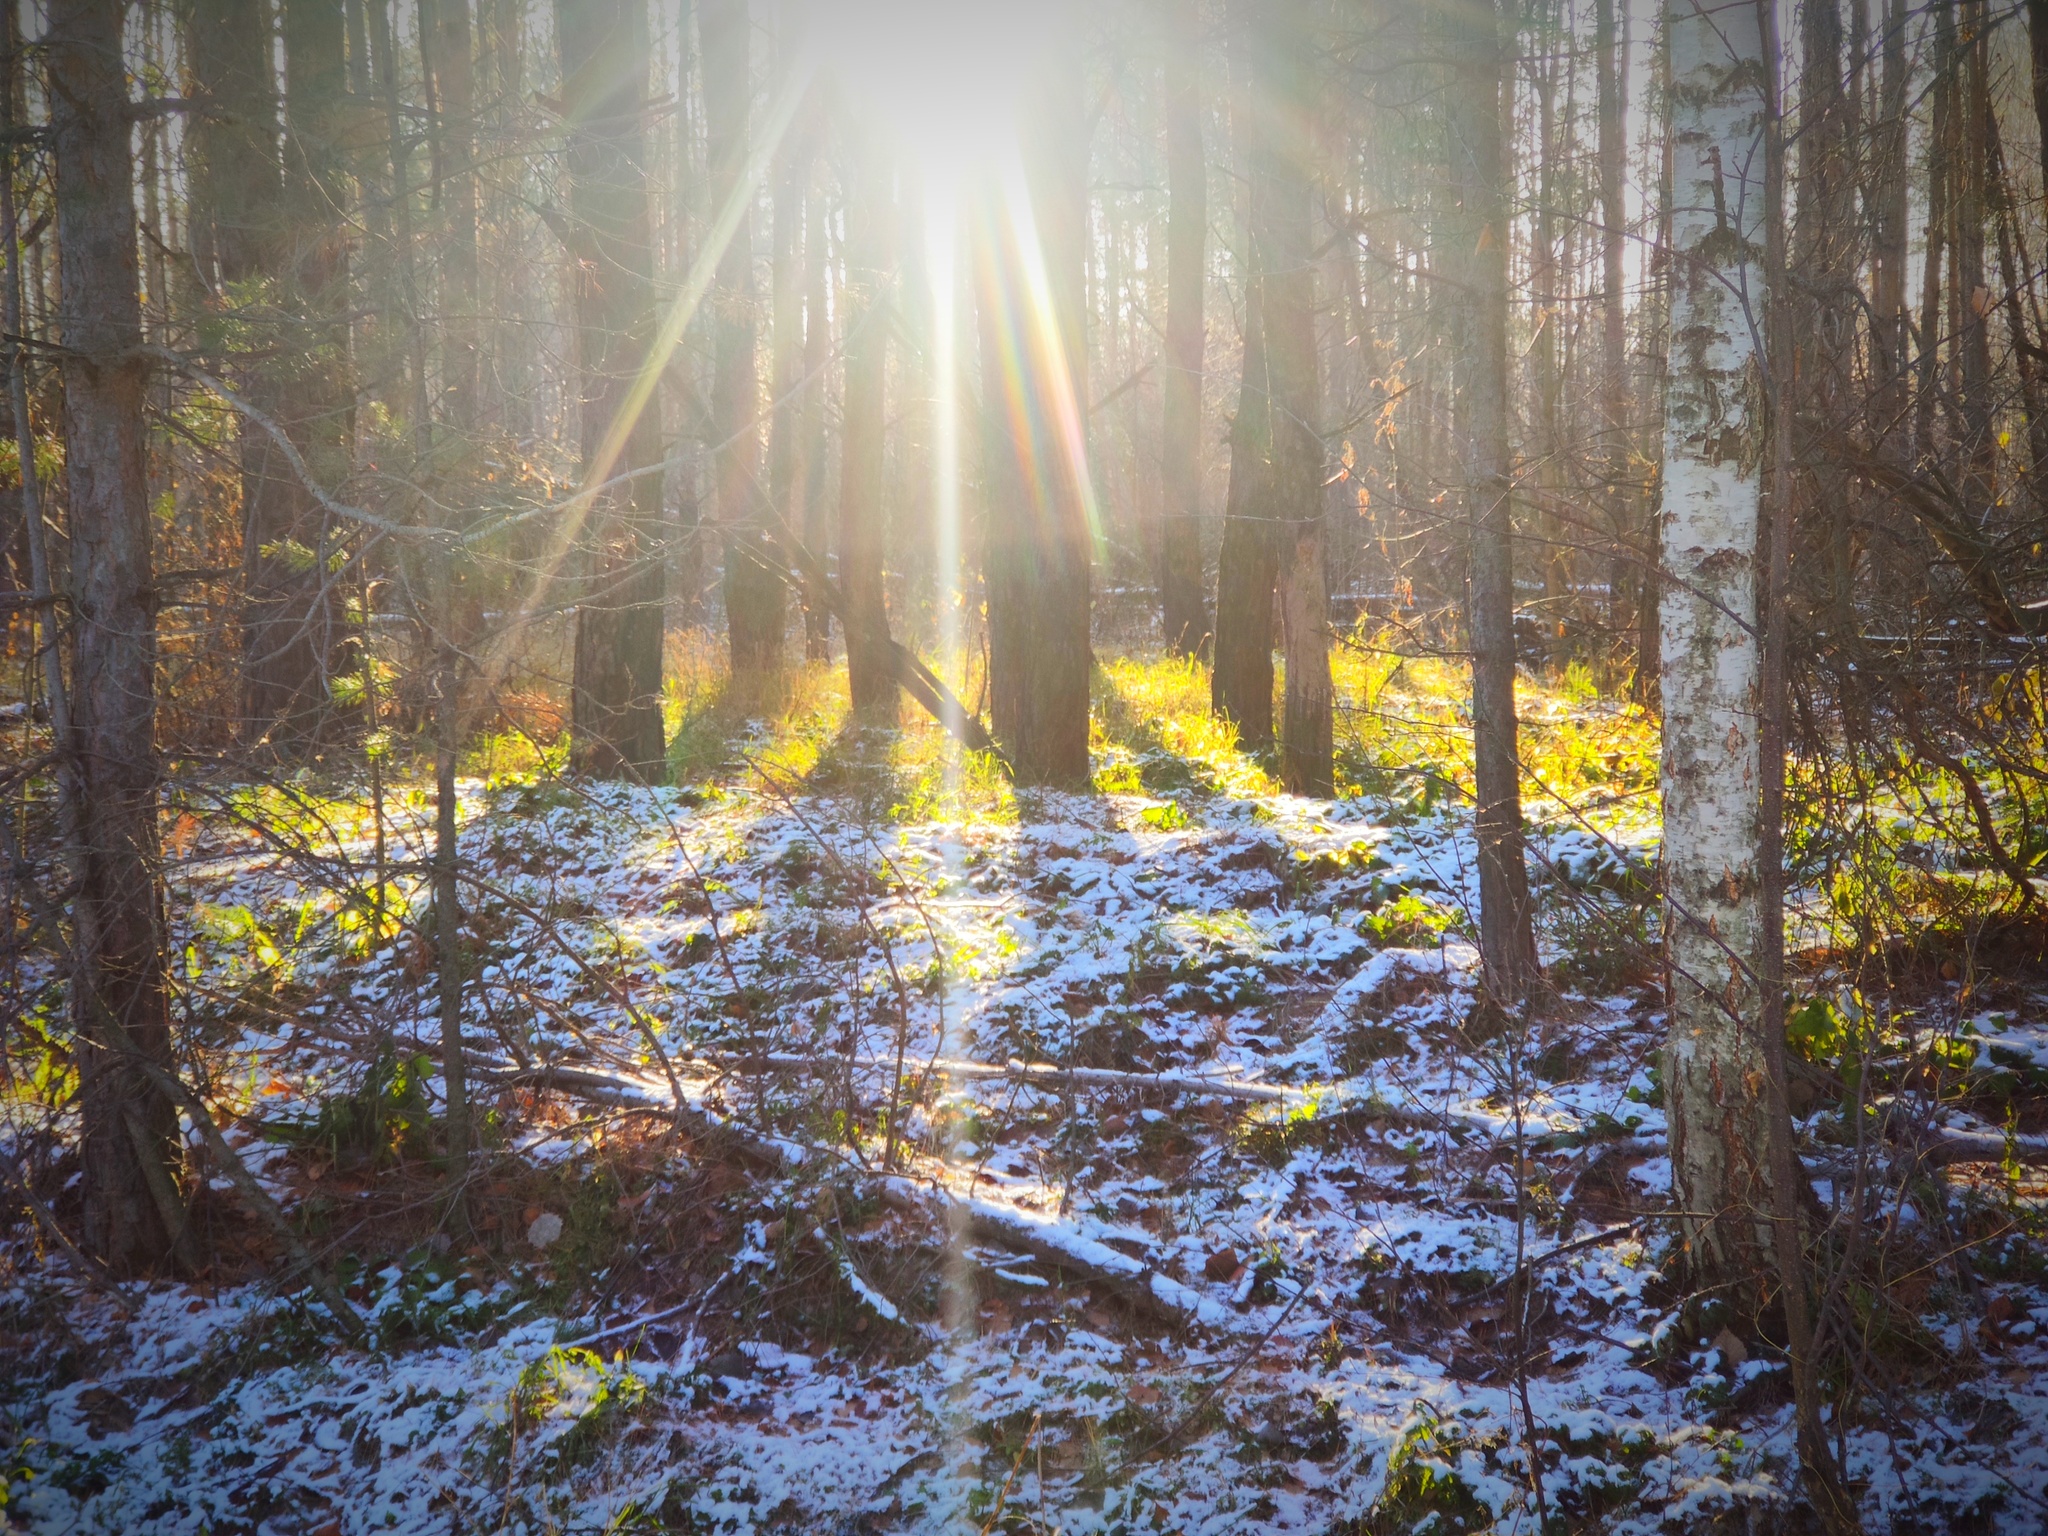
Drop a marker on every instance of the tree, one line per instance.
(1611, 88)
(870, 660)
(119, 1005)
(292, 623)
(753, 586)
(451, 80)
(1474, 259)
(1038, 554)
(788, 437)
(1714, 437)
(616, 703)
(1970, 301)
(817, 359)
(231, 159)
(1891, 324)
(1824, 329)
(1293, 481)
(1247, 565)
(1184, 604)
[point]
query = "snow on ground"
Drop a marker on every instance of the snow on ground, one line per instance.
(1347, 1323)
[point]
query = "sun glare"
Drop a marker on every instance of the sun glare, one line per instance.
(944, 81)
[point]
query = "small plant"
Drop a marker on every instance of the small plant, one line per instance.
(1610, 944)
(384, 1116)
(1166, 818)
(1426, 1486)
(567, 1404)
(1410, 921)
(429, 1298)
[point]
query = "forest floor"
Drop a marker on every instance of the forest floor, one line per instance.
(830, 1293)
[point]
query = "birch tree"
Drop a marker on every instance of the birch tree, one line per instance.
(1715, 1063)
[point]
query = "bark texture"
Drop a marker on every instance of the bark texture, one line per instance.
(1184, 604)
(292, 625)
(753, 591)
(616, 697)
(815, 518)
(787, 438)
(863, 523)
(1715, 433)
(1039, 550)
(1614, 423)
(451, 74)
(1891, 185)
(1294, 472)
(1248, 563)
(231, 157)
(120, 1010)
(1475, 258)
(1824, 329)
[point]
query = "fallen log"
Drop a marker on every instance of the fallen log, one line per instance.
(1336, 1102)
(1033, 1074)
(912, 675)
(1975, 1147)
(1060, 1243)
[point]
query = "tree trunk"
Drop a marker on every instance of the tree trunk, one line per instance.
(2025, 351)
(817, 361)
(2037, 44)
(1248, 564)
(1785, 317)
(786, 423)
(1823, 326)
(1294, 481)
(1475, 258)
(230, 153)
(1970, 297)
(1663, 281)
(616, 695)
(863, 523)
(504, 280)
(1184, 604)
(1545, 381)
(753, 590)
(120, 1009)
(1041, 511)
(449, 70)
(451, 74)
(292, 622)
(1613, 457)
(1891, 182)
(1939, 154)
(1715, 434)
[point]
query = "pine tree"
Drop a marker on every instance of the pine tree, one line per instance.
(1474, 257)
(134, 1216)
(616, 704)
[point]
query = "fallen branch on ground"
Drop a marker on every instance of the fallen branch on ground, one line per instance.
(1972, 1147)
(257, 1199)
(1335, 1102)
(1056, 1242)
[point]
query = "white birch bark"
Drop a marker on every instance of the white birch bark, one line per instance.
(1714, 440)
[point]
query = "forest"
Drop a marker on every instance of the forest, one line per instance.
(898, 766)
